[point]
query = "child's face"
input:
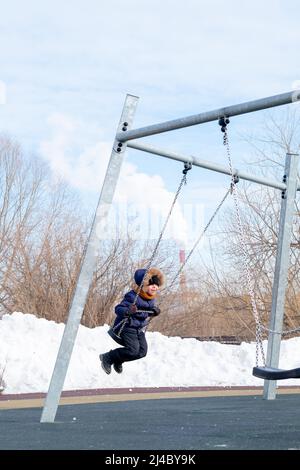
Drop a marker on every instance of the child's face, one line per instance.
(152, 289)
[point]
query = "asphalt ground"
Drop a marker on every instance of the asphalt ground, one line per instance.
(187, 420)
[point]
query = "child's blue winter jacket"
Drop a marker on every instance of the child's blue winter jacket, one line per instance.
(136, 320)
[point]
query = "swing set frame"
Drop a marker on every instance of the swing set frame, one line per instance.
(124, 138)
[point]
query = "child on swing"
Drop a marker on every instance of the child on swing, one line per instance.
(141, 297)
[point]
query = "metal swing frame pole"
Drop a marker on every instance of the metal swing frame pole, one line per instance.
(281, 269)
(88, 265)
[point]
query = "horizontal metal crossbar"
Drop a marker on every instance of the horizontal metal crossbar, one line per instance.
(235, 110)
(205, 164)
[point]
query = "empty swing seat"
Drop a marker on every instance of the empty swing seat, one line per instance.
(271, 373)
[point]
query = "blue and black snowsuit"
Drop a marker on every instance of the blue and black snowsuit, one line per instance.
(133, 335)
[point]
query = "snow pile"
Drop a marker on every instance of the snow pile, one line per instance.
(29, 346)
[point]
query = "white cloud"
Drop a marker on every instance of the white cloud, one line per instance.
(143, 197)
(84, 171)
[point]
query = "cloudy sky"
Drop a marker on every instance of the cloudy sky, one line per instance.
(67, 66)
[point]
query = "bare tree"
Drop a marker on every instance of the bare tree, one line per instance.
(260, 220)
(40, 242)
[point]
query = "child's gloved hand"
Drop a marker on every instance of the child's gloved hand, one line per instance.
(131, 309)
(156, 311)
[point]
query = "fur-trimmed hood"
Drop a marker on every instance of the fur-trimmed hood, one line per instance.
(140, 273)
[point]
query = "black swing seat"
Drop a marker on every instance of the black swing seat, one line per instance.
(271, 373)
(115, 337)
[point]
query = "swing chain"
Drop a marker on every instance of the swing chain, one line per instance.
(284, 332)
(199, 239)
(187, 166)
(234, 178)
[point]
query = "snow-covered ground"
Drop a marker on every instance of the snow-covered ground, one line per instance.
(29, 345)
